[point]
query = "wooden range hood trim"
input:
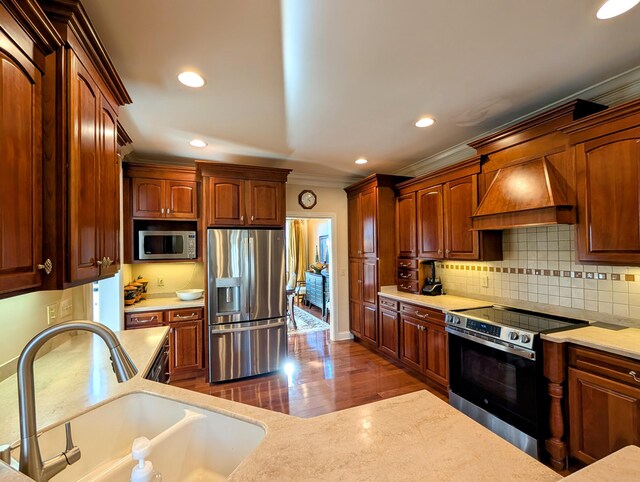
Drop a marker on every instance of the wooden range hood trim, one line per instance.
(544, 203)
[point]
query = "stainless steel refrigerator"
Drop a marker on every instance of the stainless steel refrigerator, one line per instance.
(247, 302)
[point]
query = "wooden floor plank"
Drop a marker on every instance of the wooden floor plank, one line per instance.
(324, 377)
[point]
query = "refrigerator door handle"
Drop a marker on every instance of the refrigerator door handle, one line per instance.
(215, 331)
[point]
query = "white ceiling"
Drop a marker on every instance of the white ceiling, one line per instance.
(314, 84)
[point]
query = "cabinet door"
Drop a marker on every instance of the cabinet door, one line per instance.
(225, 202)
(437, 356)
(411, 343)
(406, 222)
(185, 346)
(20, 182)
(369, 213)
(355, 280)
(355, 226)
(84, 174)
(265, 203)
(430, 223)
(608, 188)
(388, 332)
(109, 191)
(370, 323)
(370, 282)
(355, 318)
(604, 415)
(148, 198)
(460, 198)
(181, 199)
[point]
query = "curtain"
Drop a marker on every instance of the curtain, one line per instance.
(297, 247)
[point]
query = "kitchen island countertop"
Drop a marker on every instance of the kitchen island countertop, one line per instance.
(411, 437)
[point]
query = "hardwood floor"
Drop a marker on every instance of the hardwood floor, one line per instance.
(321, 377)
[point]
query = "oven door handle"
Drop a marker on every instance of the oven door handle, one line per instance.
(521, 352)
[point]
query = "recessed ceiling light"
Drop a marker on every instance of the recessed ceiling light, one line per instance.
(191, 79)
(198, 143)
(362, 160)
(613, 8)
(428, 121)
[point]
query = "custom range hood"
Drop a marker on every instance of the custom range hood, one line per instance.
(528, 172)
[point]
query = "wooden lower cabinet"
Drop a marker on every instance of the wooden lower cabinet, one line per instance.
(370, 323)
(604, 404)
(412, 346)
(186, 337)
(388, 332)
(437, 360)
(185, 347)
(355, 317)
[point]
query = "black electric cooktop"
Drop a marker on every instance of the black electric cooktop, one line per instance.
(524, 320)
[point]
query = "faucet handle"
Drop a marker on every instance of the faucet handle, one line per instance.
(71, 452)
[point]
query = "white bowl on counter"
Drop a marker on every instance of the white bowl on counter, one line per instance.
(189, 295)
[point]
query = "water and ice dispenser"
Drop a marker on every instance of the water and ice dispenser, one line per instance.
(229, 295)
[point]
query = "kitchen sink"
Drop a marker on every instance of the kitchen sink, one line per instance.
(188, 443)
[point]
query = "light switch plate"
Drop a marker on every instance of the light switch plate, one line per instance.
(66, 308)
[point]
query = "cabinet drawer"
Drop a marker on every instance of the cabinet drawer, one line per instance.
(407, 275)
(144, 319)
(408, 286)
(422, 313)
(388, 304)
(407, 263)
(185, 314)
(612, 366)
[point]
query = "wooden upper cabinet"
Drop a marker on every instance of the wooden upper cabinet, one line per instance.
(21, 128)
(81, 170)
(181, 199)
(109, 190)
(266, 207)
(160, 198)
(355, 226)
(460, 202)
(430, 223)
(406, 225)
(148, 198)
(238, 195)
(608, 187)
(84, 174)
(368, 210)
(226, 202)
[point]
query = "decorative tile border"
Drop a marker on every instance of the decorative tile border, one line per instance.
(591, 275)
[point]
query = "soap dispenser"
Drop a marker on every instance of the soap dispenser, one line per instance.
(143, 471)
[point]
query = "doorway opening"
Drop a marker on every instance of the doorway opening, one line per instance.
(308, 262)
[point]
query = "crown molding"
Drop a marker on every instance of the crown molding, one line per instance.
(613, 91)
(311, 180)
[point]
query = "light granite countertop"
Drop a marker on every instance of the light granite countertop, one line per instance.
(442, 302)
(622, 465)
(411, 437)
(163, 303)
(610, 337)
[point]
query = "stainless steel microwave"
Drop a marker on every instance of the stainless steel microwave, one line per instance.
(167, 245)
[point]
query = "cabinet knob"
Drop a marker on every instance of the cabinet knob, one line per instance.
(439, 251)
(448, 251)
(633, 374)
(241, 218)
(162, 210)
(47, 266)
(252, 218)
(168, 211)
(99, 263)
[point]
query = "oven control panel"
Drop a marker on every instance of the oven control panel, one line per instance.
(507, 335)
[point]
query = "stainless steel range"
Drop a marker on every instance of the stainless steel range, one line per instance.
(495, 370)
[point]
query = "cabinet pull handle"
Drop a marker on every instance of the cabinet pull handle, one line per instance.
(188, 316)
(405, 276)
(426, 315)
(633, 374)
(47, 266)
(162, 210)
(143, 320)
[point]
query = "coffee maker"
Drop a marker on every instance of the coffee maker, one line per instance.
(432, 284)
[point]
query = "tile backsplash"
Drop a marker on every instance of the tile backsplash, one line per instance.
(539, 265)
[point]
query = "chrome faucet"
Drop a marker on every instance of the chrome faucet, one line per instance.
(31, 463)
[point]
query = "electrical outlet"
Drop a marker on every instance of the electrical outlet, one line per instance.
(160, 281)
(66, 308)
(52, 313)
(484, 281)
